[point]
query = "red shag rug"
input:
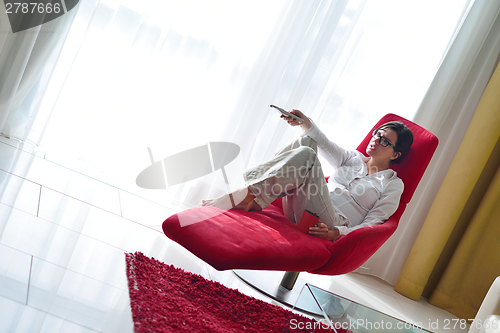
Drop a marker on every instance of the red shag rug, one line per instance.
(167, 299)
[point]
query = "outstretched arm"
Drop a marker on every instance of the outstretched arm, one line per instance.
(334, 154)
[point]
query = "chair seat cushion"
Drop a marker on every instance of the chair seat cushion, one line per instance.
(234, 239)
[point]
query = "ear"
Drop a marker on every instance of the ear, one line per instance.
(395, 155)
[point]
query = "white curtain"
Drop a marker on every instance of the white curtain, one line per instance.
(174, 75)
(27, 59)
(446, 110)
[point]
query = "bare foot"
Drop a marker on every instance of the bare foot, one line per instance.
(252, 205)
(227, 201)
(240, 199)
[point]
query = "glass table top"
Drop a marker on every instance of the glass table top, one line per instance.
(343, 315)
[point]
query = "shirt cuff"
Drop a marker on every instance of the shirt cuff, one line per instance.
(342, 231)
(310, 130)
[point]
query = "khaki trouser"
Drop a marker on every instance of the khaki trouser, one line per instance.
(295, 174)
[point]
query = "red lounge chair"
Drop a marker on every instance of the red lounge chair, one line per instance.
(267, 240)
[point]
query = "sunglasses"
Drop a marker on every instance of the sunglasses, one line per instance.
(381, 140)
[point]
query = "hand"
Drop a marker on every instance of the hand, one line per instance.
(321, 230)
(306, 124)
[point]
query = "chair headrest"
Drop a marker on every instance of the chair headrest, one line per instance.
(411, 167)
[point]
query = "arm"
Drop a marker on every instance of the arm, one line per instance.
(333, 153)
(321, 230)
(385, 206)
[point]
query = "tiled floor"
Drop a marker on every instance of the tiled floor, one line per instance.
(62, 241)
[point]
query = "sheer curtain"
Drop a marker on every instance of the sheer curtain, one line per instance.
(446, 110)
(157, 74)
(27, 59)
(174, 75)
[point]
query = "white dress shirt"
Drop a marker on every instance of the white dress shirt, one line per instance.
(361, 198)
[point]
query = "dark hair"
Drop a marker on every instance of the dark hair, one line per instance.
(405, 136)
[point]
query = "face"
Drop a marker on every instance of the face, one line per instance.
(376, 150)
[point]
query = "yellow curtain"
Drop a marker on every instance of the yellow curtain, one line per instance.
(456, 256)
